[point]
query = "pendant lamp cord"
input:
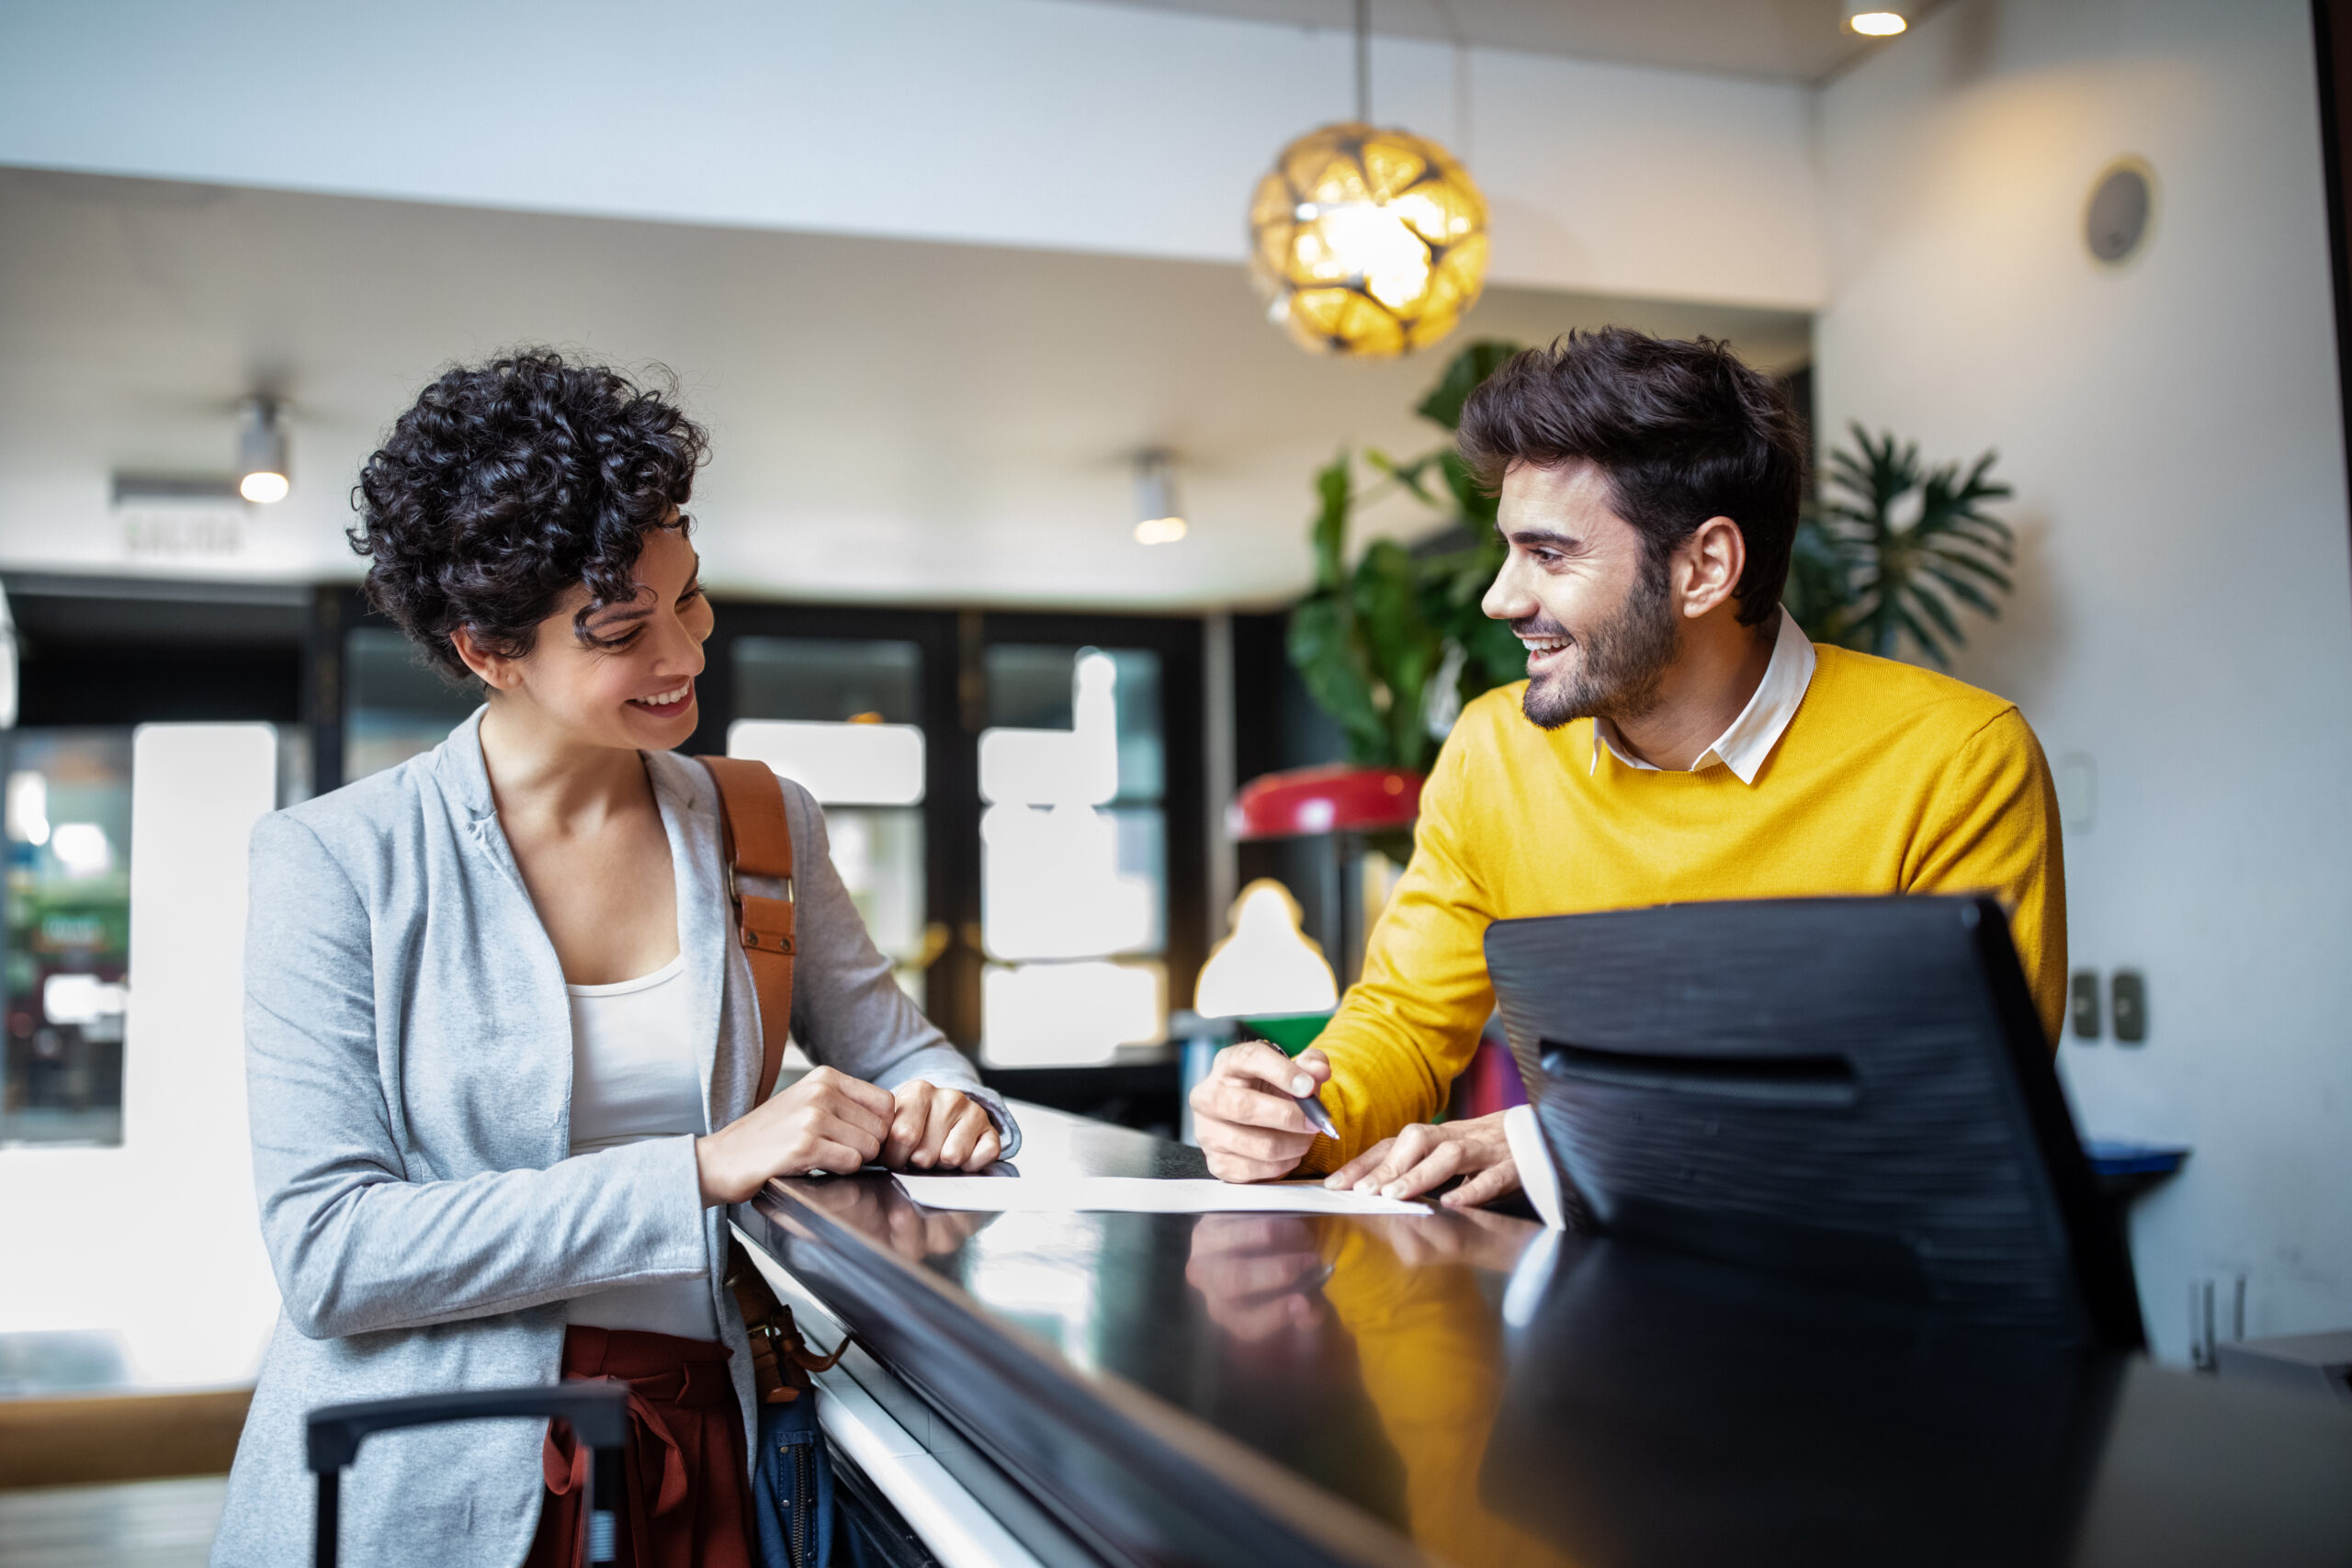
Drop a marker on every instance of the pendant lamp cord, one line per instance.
(1363, 61)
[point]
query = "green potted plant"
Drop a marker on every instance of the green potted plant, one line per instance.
(1393, 644)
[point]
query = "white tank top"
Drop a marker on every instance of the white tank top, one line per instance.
(634, 1076)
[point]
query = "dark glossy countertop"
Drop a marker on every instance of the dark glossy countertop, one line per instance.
(1260, 1389)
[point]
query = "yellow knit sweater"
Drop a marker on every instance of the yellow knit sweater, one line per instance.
(1889, 779)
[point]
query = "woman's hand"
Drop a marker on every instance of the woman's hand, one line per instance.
(936, 1128)
(828, 1120)
(1423, 1156)
(879, 1209)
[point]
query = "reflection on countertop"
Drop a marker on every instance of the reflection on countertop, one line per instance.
(1494, 1394)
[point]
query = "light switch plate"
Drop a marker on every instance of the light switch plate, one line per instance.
(2076, 777)
(2130, 1004)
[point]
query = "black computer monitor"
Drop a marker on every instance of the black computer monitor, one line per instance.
(1853, 1092)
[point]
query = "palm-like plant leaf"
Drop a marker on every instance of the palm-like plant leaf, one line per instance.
(1860, 579)
(1412, 475)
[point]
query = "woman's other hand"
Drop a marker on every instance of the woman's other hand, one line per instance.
(881, 1210)
(828, 1120)
(939, 1128)
(1423, 1156)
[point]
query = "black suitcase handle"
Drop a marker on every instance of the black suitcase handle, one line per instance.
(597, 1409)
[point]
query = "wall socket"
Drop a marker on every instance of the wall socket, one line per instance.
(2127, 1008)
(2083, 1011)
(2129, 997)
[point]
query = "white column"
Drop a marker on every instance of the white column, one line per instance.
(156, 1242)
(196, 792)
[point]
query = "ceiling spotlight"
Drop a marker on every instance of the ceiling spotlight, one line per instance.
(1161, 530)
(1159, 520)
(1873, 18)
(261, 454)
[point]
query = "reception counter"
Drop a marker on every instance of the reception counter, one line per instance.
(1467, 1388)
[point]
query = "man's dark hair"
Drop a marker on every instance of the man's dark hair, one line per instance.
(507, 485)
(1682, 429)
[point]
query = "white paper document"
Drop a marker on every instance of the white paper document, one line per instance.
(1143, 1195)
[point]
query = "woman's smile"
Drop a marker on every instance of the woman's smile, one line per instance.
(669, 704)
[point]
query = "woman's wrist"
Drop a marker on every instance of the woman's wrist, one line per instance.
(720, 1183)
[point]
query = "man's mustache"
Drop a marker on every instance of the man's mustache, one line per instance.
(1537, 626)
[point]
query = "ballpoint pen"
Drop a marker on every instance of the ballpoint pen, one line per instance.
(1317, 1117)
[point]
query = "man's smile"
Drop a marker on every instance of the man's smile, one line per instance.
(1543, 652)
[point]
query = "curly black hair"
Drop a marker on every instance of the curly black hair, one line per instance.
(1684, 431)
(510, 483)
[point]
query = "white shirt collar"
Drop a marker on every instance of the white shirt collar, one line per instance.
(1751, 739)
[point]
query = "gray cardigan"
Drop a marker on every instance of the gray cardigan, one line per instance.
(408, 1062)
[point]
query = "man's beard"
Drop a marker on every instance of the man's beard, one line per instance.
(1620, 665)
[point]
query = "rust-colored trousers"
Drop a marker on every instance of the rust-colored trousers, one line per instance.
(688, 1501)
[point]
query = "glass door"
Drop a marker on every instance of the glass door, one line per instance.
(1092, 853)
(68, 900)
(1015, 802)
(1073, 855)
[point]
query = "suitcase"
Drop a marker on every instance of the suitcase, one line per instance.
(597, 1409)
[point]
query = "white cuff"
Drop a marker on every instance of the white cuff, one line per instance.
(1537, 1175)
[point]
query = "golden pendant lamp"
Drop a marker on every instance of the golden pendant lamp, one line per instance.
(1367, 242)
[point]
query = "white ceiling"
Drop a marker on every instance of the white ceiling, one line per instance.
(1789, 40)
(894, 420)
(1039, 123)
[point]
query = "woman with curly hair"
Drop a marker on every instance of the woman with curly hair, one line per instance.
(502, 1050)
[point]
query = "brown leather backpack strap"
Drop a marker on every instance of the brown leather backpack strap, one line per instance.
(759, 843)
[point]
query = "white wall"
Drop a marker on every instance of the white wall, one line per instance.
(1022, 122)
(2185, 617)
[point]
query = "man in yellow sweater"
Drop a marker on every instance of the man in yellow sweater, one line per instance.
(1677, 739)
